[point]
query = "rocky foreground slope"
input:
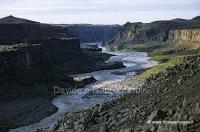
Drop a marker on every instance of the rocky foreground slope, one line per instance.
(166, 102)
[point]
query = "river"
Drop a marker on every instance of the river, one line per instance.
(83, 99)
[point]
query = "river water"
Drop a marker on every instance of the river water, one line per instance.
(83, 98)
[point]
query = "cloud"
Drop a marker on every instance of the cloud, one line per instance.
(80, 10)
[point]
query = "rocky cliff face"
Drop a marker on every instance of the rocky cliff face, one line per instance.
(32, 54)
(23, 66)
(21, 56)
(186, 38)
(26, 44)
(137, 33)
(93, 33)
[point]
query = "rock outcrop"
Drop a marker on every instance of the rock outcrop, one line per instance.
(27, 56)
(185, 38)
(138, 33)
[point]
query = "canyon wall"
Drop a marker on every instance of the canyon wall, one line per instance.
(25, 43)
(34, 57)
(28, 56)
(186, 38)
(140, 33)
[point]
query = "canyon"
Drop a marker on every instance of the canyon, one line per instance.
(163, 98)
(36, 57)
(31, 50)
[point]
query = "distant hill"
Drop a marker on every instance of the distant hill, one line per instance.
(15, 30)
(14, 20)
(196, 18)
(92, 33)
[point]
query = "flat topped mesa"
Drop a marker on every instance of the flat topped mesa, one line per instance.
(14, 20)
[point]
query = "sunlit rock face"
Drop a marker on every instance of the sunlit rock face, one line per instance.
(158, 31)
(187, 38)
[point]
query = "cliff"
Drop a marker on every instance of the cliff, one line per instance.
(23, 66)
(26, 55)
(138, 33)
(92, 33)
(186, 38)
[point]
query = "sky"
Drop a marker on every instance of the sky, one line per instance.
(99, 11)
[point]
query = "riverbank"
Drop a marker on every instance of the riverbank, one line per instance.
(170, 96)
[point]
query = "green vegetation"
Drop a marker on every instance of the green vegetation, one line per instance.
(147, 47)
(170, 63)
(164, 54)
